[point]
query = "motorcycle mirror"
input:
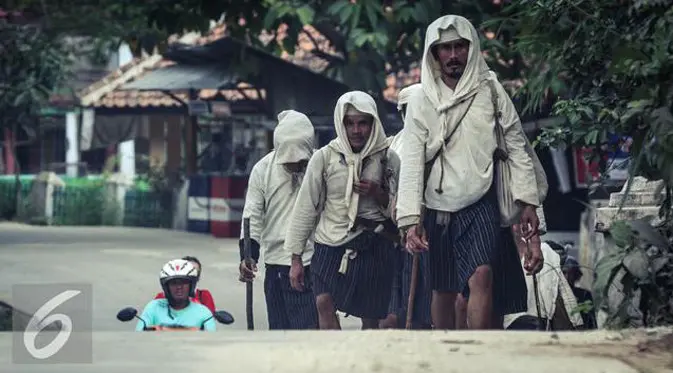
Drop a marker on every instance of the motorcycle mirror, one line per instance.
(127, 314)
(223, 317)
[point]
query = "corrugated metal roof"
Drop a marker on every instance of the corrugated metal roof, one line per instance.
(184, 77)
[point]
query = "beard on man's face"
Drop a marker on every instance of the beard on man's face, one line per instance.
(454, 69)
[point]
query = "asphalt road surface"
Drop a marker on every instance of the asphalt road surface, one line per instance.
(122, 267)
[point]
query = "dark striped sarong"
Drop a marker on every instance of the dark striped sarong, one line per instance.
(397, 302)
(474, 238)
(364, 290)
(510, 292)
(287, 308)
(421, 316)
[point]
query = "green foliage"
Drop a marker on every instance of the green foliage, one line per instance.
(144, 24)
(8, 204)
(644, 254)
(372, 38)
(32, 66)
(608, 68)
(154, 175)
(369, 37)
(583, 308)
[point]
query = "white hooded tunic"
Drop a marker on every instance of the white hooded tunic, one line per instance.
(395, 144)
(467, 161)
(272, 189)
(327, 202)
(551, 284)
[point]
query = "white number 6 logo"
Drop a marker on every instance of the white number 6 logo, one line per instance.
(41, 319)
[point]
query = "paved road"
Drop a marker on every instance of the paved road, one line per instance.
(384, 351)
(122, 265)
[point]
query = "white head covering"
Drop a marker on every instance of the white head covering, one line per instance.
(293, 137)
(362, 103)
(292, 142)
(405, 93)
(443, 30)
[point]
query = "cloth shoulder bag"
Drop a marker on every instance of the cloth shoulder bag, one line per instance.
(510, 211)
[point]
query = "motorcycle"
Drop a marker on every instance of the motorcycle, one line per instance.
(129, 313)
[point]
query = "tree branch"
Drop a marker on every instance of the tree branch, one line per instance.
(336, 38)
(330, 58)
(315, 42)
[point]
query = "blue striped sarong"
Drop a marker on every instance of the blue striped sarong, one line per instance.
(287, 308)
(364, 290)
(474, 238)
(510, 292)
(421, 317)
(397, 302)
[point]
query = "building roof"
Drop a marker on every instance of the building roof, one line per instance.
(307, 41)
(105, 92)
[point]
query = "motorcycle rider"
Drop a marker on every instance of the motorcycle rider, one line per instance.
(202, 296)
(178, 279)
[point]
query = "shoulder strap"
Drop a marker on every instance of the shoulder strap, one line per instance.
(384, 169)
(448, 138)
(501, 149)
(325, 163)
(431, 162)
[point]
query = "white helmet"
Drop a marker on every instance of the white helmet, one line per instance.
(178, 269)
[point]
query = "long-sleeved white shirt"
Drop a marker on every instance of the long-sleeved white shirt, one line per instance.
(467, 161)
(272, 192)
(327, 201)
(321, 204)
(269, 205)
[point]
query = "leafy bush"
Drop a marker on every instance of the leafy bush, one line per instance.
(607, 68)
(645, 256)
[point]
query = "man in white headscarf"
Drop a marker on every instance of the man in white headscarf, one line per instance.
(344, 199)
(450, 127)
(398, 308)
(273, 187)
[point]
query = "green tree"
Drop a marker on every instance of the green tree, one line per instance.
(32, 66)
(367, 38)
(607, 66)
(372, 38)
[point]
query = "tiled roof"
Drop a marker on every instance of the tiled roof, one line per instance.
(110, 97)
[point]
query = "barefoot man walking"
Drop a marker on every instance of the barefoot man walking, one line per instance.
(272, 190)
(450, 128)
(345, 200)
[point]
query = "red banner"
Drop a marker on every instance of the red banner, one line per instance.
(585, 172)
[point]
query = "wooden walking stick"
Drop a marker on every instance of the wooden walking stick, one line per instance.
(537, 295)
(248, 262)
(412, 291)
(414, 280)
